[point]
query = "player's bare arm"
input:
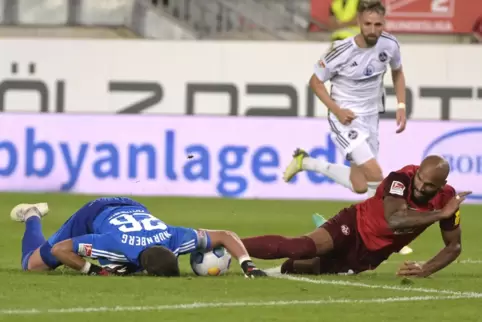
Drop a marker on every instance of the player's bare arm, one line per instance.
(345, 116)
(398, 78)
(399, 216)
(320, 91)
(63, 251)
(452, 250)
(236, 248)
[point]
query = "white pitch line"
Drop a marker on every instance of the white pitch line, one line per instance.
(274, 272)
(191, 306)
(462, 261)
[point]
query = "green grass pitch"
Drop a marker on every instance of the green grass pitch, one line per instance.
(453, 294)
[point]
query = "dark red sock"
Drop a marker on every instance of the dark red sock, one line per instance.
(288, 267)
(275, 246)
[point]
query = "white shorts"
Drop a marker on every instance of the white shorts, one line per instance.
(358, 141)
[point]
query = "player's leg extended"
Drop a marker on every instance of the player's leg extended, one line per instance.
(334, 240)
(33, 237)
(364, 153)
(277, 246)
(373, 171)
(79, 224)
(340, 173)
(349, 177)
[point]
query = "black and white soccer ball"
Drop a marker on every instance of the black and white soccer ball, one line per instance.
(212, 263)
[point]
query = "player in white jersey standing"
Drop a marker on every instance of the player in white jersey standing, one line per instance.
(355, 67)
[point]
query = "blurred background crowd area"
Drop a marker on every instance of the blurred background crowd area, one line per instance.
(413, 21)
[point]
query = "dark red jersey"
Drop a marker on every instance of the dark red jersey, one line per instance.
(371, 222)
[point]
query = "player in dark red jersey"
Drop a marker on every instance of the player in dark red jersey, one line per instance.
(362, 236)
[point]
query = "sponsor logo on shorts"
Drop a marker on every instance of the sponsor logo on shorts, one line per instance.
(345, 230)
(85, 250)
(397, 188)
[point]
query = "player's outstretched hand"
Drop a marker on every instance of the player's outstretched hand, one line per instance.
(120, 270)
(345, 116)
(411, 269)
(251, 271)
(453, 205)
(401, 116)
(255, 273)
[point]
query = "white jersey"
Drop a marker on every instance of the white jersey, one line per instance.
(356, 74)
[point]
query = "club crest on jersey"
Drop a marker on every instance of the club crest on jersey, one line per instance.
(369, 70)
(383, 56)
(397, 188)
(345, 230)
(352, 135)
(85, 250)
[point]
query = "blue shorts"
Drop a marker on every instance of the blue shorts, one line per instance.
(80, 223)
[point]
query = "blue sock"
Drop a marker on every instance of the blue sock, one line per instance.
(33, 237)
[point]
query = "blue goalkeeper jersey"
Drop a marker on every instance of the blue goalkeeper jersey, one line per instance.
(121, 233)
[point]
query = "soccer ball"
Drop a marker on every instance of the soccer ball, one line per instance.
(213, 263)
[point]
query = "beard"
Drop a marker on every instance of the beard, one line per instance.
(370, 40)
(424, 196)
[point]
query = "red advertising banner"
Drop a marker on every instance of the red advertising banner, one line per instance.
(419, 16)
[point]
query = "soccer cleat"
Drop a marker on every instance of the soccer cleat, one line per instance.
(19, 211)
(405, 250)
(295, 165)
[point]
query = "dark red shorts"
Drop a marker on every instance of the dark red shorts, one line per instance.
(349, 252)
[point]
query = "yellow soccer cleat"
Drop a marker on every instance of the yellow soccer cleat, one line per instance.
(296, 165)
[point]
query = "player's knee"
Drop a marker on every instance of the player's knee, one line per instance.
(357, 179)
(58, 249)
(372, 170)
(359, 187)
(159, 261)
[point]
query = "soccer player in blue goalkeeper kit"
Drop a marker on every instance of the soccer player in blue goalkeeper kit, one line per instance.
(122, 232)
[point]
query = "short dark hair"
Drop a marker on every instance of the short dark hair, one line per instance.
(159, 261)
(371, 5)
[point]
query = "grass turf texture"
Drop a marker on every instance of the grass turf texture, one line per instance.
(377, 295)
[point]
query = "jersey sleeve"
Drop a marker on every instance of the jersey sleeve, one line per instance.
(453, 221)
(204, 240)
(98, 246)
(396, 59)
(396, 185)
(192, 240)
(329, 65)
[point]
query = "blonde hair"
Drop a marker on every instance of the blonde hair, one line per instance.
(371, 5)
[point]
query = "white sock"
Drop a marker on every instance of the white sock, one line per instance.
(339, 173)
(372, 188)
(31, 212)
(317, 165)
